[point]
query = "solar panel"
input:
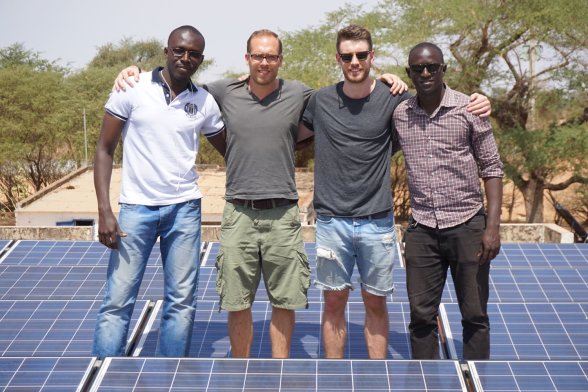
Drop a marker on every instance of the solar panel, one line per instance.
(56, 282)
(210, 336)
(539, 285)
(50, 293)
(210, 253)
(543, 255)
(44, 374)
(529, 376)
(65, 253)
(518, 285)
(52, 328)
(527, 331)
(3, 244)
(138, 374)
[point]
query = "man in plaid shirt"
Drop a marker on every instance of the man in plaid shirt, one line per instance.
(446, 151)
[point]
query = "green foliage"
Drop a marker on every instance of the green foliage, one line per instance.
(16, 55)
(549, 152)
(145, 54)
(486, 43)
(31, 128)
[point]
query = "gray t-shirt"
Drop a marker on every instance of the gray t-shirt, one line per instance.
(261, 137)
(353, 146)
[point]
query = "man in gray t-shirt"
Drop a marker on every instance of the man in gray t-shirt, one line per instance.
(351, 122)
(261, 230)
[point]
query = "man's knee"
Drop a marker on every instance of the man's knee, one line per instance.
(374, 303)
(336, 300)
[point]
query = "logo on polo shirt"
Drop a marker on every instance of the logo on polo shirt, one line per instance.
(191, 110)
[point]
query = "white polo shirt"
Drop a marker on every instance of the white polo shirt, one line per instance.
(161, 138)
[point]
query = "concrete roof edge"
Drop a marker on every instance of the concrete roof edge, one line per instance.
(51, 187)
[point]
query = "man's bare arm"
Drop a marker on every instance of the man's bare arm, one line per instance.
(108, 228)
(491, 237)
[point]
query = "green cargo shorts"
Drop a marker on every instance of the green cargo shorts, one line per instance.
(262, 242)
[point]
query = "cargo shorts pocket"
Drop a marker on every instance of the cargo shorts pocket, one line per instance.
(220, 284)
(304, 270)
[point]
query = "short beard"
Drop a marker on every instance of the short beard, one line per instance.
(355, 80)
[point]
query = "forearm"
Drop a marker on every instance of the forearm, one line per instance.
(102, 175)
(493, 190)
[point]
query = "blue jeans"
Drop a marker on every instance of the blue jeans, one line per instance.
(178, 226)
(343, 242)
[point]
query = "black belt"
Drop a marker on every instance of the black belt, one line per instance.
(377, 215)
(262, 204)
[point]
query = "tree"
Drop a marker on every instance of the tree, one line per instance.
(31, 90)
(16, 55)
(515, 50)
(145, 54)
(30, 131)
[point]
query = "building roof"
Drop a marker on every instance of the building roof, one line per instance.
(74, 195)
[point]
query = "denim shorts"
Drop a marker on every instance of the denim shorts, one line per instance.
(342, 243)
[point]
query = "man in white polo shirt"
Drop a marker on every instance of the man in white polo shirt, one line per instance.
(160, 122)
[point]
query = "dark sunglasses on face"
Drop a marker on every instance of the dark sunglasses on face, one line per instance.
(432, 68)
(192, 54)
(361, 56)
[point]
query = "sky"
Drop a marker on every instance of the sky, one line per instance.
(70, 31)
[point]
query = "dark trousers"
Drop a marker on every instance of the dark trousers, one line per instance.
(429, 253)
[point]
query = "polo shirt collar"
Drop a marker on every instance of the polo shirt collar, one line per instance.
(156, 77)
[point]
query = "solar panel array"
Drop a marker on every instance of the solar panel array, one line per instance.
(277, 375)
(50, 292)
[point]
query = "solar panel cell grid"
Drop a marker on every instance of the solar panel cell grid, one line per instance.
(278, 375)
(51, 328)
(64, 253)
(56, 282)
(530, 331)
(43, 374)
(530, 376)
(542, 256)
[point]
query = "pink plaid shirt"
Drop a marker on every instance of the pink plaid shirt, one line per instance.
(446, 153)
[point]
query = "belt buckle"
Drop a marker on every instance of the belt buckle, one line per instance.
(252, 205)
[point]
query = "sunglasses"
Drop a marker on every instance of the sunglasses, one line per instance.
(361, 56)
(270, 58)
(432, 68)
(180, 52)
